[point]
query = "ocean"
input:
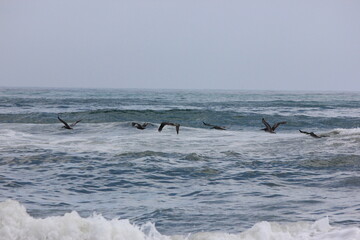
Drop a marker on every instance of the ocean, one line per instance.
(105, 179)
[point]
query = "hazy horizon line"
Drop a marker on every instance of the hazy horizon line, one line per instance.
(179, 89)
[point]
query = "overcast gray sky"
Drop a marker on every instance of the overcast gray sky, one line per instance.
(200, 44)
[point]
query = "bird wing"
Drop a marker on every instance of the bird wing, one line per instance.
(137, 125)
(72, 125)
(206, 124)
(214, 126)
(267, 125)
(65, 123)
(277, 124)
(314, 135)
(304, 132)
(162, 125)
(311, 134)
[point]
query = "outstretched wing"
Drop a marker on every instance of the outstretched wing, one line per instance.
(206, 124)
(214, 126)
(311, 134)
(65, 123)
(277, 124)
(72, 125)
(162, 125)
(267, 125)
(314, 135)
(304, 132)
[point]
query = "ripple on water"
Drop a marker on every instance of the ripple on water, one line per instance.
(346, 182)
(350, 162)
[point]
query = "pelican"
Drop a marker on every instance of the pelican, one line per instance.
(214, 126)
(163, 124)
(66, 125)
(311, 134)
(270, 129)
(139, 126)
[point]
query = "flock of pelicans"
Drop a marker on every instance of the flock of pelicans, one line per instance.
(268, 128)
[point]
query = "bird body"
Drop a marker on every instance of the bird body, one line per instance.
(139, 126)
(311, 134)
(66, 125)
(214, 126)
(163, 124)
(270, 129)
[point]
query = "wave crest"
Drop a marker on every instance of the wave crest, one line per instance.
(16, 223)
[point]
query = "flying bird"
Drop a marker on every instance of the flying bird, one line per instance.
(139, 126)
(270, 129)
(163, 124)
(311, 134)
(214, 126)
(66, 125)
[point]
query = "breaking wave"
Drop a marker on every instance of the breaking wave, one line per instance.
(16, 223)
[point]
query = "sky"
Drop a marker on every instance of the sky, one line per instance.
(181, 44)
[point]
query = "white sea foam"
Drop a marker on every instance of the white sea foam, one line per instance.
(16, 223)
(118, 138)
(293, 111)
(347, 131)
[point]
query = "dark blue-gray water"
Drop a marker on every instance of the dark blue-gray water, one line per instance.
(200, 180)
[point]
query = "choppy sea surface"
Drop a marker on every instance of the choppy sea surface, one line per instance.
(105, 179)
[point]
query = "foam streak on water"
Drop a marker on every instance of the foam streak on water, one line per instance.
(107, 180)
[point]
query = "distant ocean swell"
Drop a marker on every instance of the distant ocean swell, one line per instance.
(186, 117)
(15, 223)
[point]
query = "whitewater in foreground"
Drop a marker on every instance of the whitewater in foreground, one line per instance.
(15, 223)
